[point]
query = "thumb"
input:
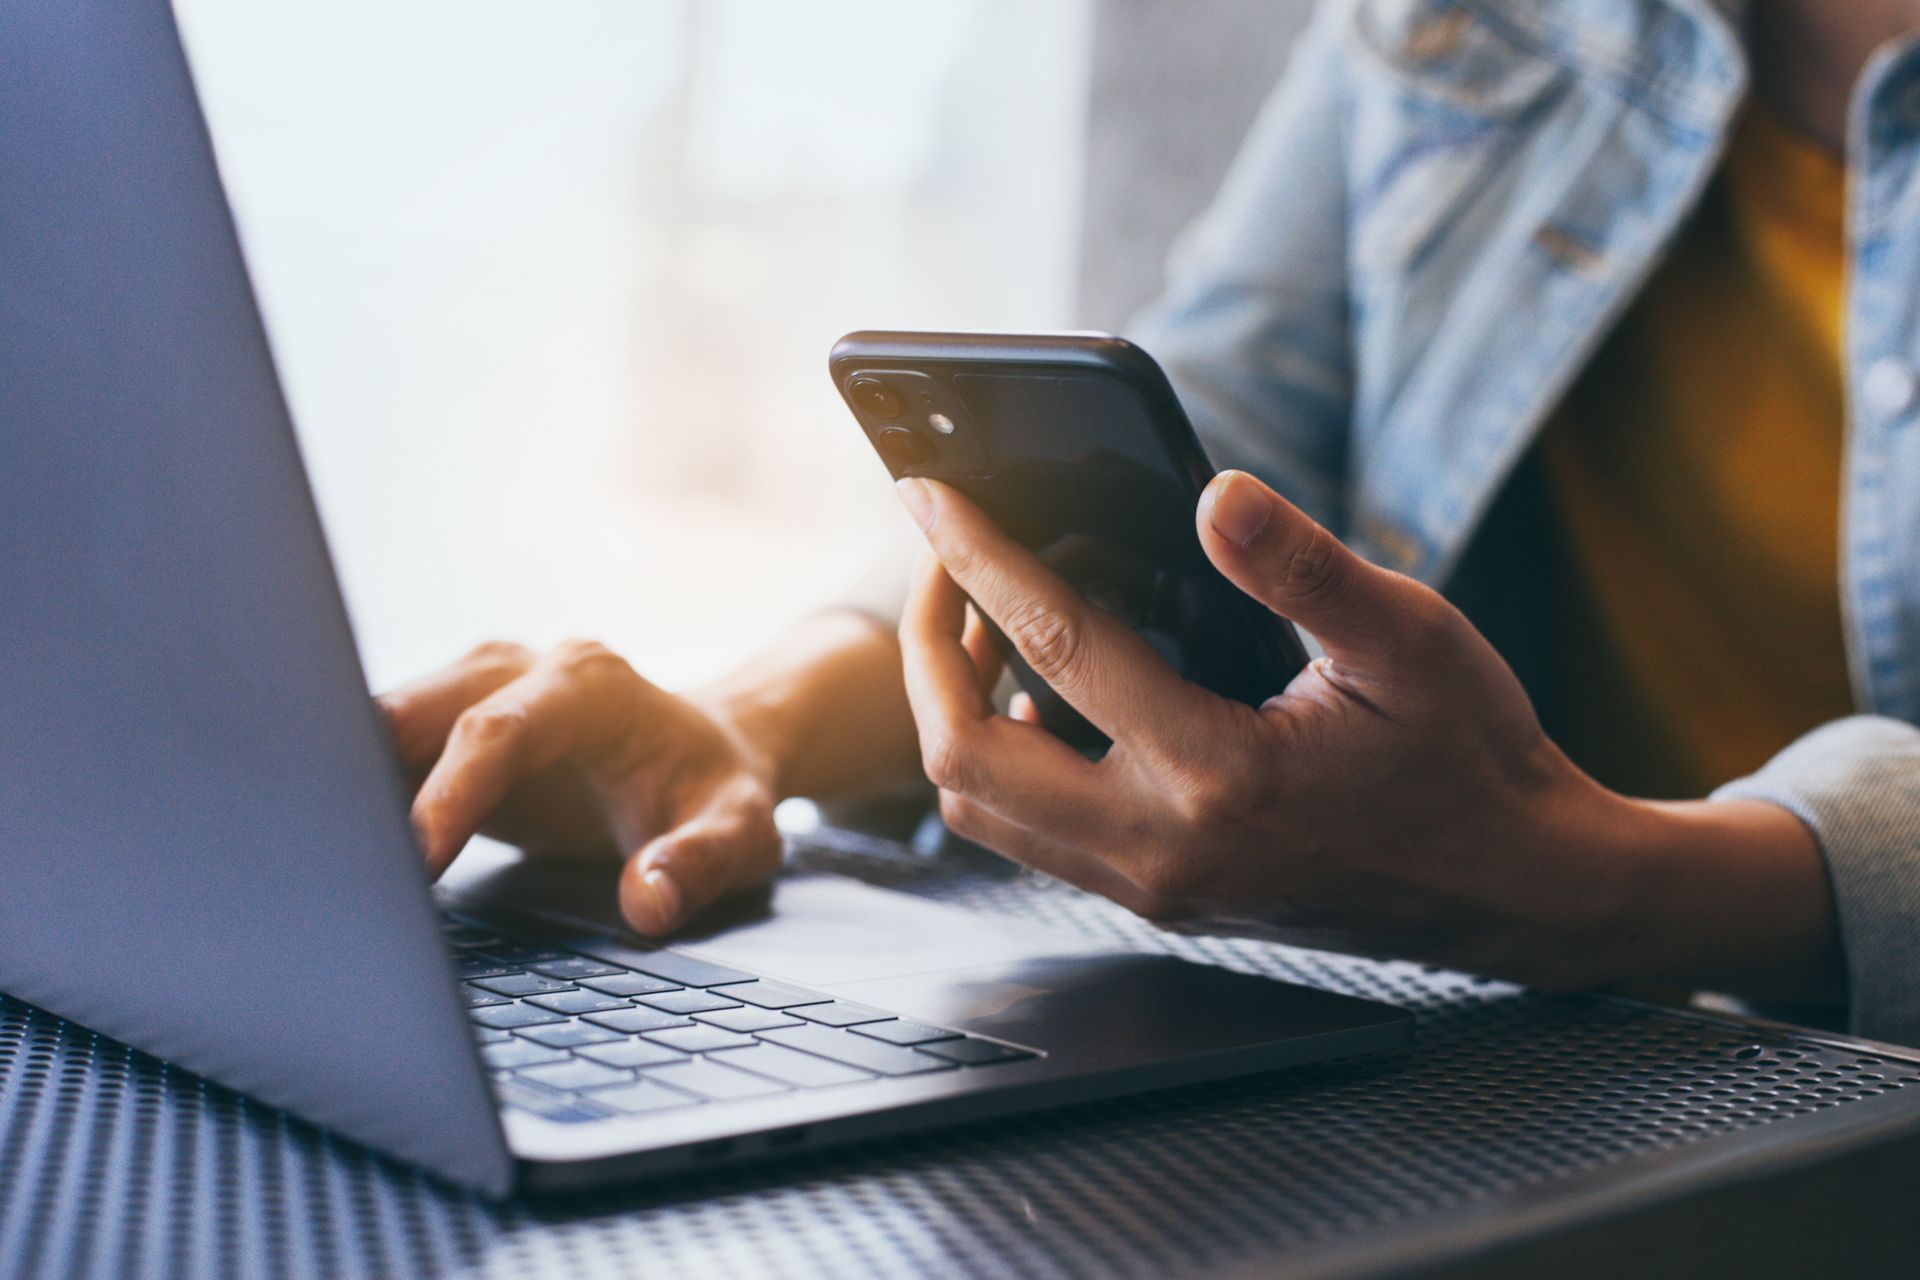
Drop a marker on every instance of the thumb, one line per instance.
(1365, 617)
(727, 844)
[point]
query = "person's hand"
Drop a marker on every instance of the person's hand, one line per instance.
(1398, 798)
(573, 752)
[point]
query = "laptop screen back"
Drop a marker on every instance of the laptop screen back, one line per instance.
(203, 840)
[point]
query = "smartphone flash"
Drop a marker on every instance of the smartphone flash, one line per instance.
(940, 422)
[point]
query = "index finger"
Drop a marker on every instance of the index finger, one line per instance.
(421, 713)
(571, 702)
(1017, 770)
(1089, 657)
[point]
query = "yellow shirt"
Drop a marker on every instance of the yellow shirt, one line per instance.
(1696, 474)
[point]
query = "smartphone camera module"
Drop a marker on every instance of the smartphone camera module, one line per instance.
(917, 422)
(870, 395)
(902, 446)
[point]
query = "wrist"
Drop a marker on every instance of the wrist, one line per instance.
(1726, 896)
(1575, 911)
(821, 713)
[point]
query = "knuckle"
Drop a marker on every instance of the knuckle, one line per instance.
(499, 654)
(1313, 571)
(496, 725)
(588, 659)
(962, 561)
(1050, 639)
(578, 650)
(1215, 796)
(947, 762)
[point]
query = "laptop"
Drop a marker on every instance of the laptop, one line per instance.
(204, 845)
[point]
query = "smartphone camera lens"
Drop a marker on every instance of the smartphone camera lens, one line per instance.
(870, 395)
(902, 447)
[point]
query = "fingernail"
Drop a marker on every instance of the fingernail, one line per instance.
(666, 896)
(919, 502)
(1241, 509)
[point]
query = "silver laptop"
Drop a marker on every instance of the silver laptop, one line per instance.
(204, 846)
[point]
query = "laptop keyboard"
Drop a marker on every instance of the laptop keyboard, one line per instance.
(576, 1037)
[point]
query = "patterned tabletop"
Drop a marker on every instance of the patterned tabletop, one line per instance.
(113, 1164)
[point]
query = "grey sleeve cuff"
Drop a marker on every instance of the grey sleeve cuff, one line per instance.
(1856, 784)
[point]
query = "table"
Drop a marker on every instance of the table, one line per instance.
(1581, 1134)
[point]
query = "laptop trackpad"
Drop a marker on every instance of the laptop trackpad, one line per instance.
(826, 930)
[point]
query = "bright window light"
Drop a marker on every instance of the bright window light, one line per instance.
(552, 286)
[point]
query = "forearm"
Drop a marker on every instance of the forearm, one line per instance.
(825, 709)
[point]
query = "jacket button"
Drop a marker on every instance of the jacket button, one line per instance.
(1889, 389)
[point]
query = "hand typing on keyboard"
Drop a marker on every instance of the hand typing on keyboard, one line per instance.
(574, 751)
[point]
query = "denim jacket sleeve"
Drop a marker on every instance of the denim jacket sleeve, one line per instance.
(1253, 328)
(1856, 784)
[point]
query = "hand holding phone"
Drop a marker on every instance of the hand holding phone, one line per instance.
(1076, 446)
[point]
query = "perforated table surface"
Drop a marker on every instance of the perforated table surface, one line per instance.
(1510, 1106)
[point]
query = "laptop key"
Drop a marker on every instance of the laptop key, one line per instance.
(647, 1095)
(635, 1019)
(700, 1039)
(709, 1079)
(687, 1002)
(978, 1053)
(905, 1031)
(579, 1002)
(632, 1053)
(573, 968)
(856, 1051)
(839, 1013)
(769, 995)
(519, 1053)
(477, 997)
(681, 970)
(479, 967)
(628, 984)
(560, 1108)
(520, 957)
(490, 1035)
(575, 1073)
(802, 1069)
(522, 984)
(509, 1016)
(569, 1035)
(746, 1019)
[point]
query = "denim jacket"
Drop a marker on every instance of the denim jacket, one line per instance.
(1441, 212)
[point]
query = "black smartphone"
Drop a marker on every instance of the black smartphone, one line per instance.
(1076, 445)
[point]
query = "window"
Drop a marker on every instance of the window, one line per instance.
(551, 287)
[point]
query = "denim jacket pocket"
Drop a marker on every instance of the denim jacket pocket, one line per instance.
(1439, 92)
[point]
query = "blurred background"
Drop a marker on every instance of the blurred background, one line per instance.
(551, 287)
